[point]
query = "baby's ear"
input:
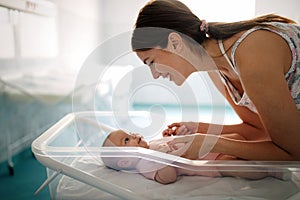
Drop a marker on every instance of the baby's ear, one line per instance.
(124, 163)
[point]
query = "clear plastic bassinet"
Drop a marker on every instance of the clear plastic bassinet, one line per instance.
(71, 152)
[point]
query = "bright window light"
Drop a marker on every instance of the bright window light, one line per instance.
(222, 11)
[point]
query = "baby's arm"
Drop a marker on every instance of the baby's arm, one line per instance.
(159, 172)
(164, 175)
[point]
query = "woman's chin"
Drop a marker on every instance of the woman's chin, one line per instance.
(179, 82)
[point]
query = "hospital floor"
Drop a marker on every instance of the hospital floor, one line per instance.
(29, 174)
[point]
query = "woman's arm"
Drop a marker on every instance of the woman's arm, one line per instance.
(262, 65)
(251, 150)
(242, 149)
(251, 127)
(262, 74)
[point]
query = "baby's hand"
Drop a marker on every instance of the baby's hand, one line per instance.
(176, 130)
(163, 148)
(183, 128)
(168, 132)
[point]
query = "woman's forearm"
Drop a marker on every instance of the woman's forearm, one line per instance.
(248, 131)
(251, 150)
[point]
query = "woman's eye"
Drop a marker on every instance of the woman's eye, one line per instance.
(126, 140)
(151, 64)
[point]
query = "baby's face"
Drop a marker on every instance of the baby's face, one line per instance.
(121, 138)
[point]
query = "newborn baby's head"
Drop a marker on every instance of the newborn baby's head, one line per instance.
(122, 139)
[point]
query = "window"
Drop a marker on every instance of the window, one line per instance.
(223, 11)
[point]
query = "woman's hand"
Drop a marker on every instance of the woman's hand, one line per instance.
(191, 147)
(194, 146)
(181, 128)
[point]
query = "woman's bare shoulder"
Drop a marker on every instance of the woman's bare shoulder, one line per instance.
(263, 49)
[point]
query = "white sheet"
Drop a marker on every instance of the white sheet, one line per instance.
(187, 187)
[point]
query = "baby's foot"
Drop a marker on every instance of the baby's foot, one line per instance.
(285, 175)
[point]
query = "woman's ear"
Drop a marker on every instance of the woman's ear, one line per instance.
(124, 163)
(175, 42)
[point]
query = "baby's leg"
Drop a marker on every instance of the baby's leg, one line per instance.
(211, 172)
(250, 174)
(253, 175)
(208, 173)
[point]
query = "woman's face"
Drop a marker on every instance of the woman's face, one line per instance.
(166, 64)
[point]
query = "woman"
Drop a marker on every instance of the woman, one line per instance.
(257, 61)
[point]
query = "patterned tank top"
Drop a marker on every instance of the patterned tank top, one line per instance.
(291, 34)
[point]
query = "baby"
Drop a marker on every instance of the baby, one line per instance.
(161, 173)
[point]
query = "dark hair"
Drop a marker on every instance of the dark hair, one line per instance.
(158, 18)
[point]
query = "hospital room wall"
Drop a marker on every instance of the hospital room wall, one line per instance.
(288, 8)
(82, 27)
(79, 31)
(27, 41)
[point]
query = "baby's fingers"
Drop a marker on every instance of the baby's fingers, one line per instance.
(166, 133)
